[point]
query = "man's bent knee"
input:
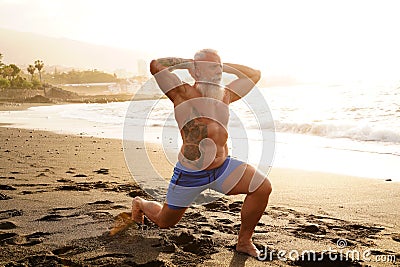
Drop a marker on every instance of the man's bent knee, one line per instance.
(265, 188)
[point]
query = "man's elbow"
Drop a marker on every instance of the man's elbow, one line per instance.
(154, 68)
(256, 77)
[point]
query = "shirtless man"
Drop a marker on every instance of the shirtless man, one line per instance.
(202, 114)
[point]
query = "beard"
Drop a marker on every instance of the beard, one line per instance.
(211, 89)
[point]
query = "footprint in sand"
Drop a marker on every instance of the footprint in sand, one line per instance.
(37, 235)
(396, 237)
(51, 217)
(63, 180)
(73, 188)
(223, 228)
(137, 193)
(103, 171)
(7, 187)
(33, 239)
(101, 202)
(5, 236)
(5, 214)
(224, 221)
(189, 243)
(218, 205)
(22, 240)
(356, 231)
(182, 238)
(4, 197)
(201, 246)
(80, 175)
(44, 260)
(63, 250)
(195, 216)
(236, 206)
(312, 229)
(62, 208)
(207, 232)
(7, 225)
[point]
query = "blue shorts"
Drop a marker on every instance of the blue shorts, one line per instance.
(186, 185)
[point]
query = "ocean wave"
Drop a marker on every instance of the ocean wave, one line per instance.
(354, 132)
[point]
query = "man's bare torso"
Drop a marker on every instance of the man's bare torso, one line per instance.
(203, 127)
(203, 123)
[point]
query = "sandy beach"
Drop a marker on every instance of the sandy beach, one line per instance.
(60, 195)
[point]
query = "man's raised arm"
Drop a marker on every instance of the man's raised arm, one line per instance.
(247, 79)
(168, 82)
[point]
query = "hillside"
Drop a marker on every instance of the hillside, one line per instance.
(24, 48)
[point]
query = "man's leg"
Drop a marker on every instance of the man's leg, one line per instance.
(254, 204)
(161, 215)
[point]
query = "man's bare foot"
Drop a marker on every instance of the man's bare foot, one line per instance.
(137, 213)
(248, 248)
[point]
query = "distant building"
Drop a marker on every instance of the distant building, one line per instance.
(123, 73)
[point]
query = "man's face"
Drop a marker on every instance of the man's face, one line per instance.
(209, 69)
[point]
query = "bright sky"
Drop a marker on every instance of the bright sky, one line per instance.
(317, 40)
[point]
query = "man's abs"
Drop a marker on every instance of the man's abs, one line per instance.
(204, 144)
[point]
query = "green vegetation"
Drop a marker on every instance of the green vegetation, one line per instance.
(39, 65)
(11, 76)
(78, 77)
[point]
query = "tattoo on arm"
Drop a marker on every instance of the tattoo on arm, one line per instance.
(174, 61)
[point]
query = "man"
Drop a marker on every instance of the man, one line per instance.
(202, 114)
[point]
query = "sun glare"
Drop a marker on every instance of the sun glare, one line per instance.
(312, 40)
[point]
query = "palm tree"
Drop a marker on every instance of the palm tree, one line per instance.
(15, 71)
(7, 72)
(1, 64)
(31, 69)
(39, 65)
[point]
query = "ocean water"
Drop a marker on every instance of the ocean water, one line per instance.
(349, 129)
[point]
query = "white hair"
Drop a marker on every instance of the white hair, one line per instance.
(201, 54)
(214, 91)
(209, 89)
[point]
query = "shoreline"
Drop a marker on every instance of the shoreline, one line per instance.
(379, 166)
(60, 194)
(16, 105)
